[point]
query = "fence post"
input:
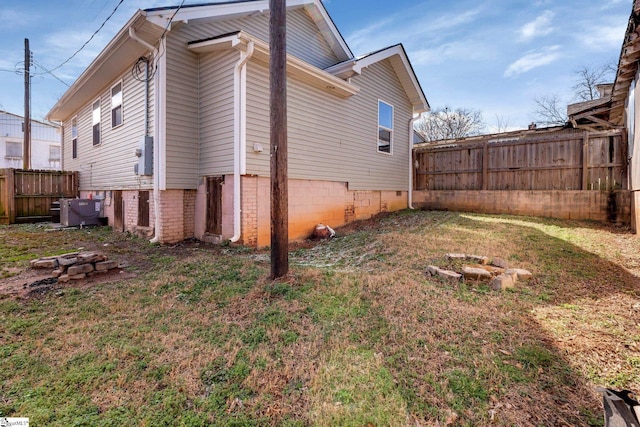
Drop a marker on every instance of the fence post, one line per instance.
(11, 190)
(585, 160)
(485, 166)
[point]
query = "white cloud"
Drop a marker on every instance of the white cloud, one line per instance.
(533, 59)
(407, 27)
(541, 26)
(603, 36)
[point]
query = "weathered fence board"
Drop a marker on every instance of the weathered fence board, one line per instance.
(28, 194)
(564, 160)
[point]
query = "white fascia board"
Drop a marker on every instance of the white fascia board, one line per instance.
(296, 67)
(215, 11)
(330, 32)
(58, 112)
(414, 91)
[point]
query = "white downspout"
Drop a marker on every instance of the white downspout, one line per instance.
(159, 81)
(410, 195)
(239, 138)
(156, 144)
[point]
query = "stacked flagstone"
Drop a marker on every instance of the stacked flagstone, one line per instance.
(496, 271)
(75, 265)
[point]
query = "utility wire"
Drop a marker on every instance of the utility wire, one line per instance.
(90, 38)
(37, 64)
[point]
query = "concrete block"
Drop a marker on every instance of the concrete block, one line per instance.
(450, 275)
(44, 263)
(502, 282)
(499, 262)
(77, 276)
(63, 278)
(80, 269)
(106, 265)
(66, 260)
(523, 274)
(57, 273)
(432, 270)
(476, 273)
(87, 257)
(456, 256)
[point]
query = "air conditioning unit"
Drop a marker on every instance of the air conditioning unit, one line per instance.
(80, 212)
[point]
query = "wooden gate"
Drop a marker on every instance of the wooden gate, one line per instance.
(214, 205)
(26, 195)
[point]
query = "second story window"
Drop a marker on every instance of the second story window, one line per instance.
(116, 105)
(96, 122)
(74, 138)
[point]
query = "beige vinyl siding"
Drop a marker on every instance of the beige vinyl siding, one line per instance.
(304, 40)
(182, 115)
(331, 138)
(216, 112)
(110, 164)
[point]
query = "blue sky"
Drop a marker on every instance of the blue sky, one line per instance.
(493, 55)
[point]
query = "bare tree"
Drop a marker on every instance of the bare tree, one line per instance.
(588, 78)
(446, 123)
(550, 111)
(502, 124)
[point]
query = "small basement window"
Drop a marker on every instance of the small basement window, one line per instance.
(54, 153)
(385, 127)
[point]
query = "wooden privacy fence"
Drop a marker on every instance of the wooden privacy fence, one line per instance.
(27, 195)
(563, 160)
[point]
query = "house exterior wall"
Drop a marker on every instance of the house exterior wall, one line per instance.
(43, 137)
(217, 112)
(331, 138)
(311, 202)
(632, 120)
(109, 165)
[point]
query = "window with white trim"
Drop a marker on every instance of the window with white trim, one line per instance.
(14, 150)
(385, 127)
(116, 105)
(96, 122)
(74, 137)
(54, 153)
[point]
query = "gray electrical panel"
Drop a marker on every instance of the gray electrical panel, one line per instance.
(75, 212)
(144, 152)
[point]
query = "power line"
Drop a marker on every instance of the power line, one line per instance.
(49, 72)
(90, 38)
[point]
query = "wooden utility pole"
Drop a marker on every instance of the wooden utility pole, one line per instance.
(26, 146)
(278, 134)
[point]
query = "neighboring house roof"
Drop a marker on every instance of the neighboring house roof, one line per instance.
(627, 66)
(46, 123)
(149, 25)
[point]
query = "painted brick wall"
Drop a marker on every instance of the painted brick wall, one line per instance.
(591, 205)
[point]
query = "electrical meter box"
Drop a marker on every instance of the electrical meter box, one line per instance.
(144, 153)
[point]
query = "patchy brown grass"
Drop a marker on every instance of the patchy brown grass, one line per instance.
(357, 334)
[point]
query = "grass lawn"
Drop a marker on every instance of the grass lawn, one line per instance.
(357, 335)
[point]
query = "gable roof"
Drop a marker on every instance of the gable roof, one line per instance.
(149, 26)
(402, 66)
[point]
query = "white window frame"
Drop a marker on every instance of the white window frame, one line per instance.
(96, 120)
(52, 152)
(74, 137)
(8, 155)
(381, 126)
(117, 102)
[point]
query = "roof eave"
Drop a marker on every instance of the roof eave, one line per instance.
(94, 75)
